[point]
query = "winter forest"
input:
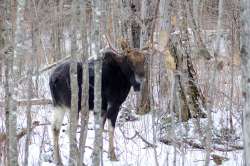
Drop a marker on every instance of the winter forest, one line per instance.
(125, 82)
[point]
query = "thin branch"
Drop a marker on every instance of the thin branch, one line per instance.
(32, 102)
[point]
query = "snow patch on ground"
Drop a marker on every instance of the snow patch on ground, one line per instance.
(131, 150)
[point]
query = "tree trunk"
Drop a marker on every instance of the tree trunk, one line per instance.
(29, 87)
(73, 149)
(98, 12)
(11, 108)
(191, 99)
(245, 59)
(115, 18)
(1, 47)
(56, 29)
(149, 11)
(135, 26)
(85, 77)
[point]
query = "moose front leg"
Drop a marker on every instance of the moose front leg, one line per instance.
(112, 113)
(111, 152)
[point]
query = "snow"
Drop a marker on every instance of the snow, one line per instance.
(130, 150)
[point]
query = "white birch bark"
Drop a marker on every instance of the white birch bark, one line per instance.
(245, 59)
(213, 87)
(17, 38)
(97, 152)
(29, 88)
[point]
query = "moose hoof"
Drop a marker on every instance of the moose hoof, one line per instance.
(59, 164)
(113, 157)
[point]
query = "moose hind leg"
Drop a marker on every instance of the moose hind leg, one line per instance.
(58, 116)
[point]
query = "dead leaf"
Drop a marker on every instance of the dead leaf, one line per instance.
(173, 20)
(217, 159)
(169, 60)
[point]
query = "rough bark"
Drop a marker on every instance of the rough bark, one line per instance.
(73, 149)
(4, 40)
(85, 77)
(202, 51)
(115, 17)
(135, 26)
(191, 98)
(149, 12)
(245, 59)
(1, 47)
(56, 28)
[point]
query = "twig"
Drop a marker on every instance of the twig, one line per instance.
(199, 146)
(139, 136)
(24, 131)
(45, 69)
(32, 102)
(110, 46)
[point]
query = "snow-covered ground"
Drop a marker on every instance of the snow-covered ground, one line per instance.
(131, 150)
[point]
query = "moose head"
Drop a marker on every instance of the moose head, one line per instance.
(135, 60)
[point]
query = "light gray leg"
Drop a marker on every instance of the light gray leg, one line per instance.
(111, 131)
(58, 116)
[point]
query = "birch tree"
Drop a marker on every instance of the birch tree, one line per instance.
(7, 95)
(245, 59)
(29, 86)
(98, 6)
(14, 37)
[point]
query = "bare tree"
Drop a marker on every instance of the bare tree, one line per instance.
(14, 37)
(73, 149)
(191, 98)
(30, 83)
(98, 11)
(57, 28)
(245, 58)
(85, 23)
(1, 44)
(149, 12)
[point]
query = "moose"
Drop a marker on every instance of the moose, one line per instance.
(119, 74)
